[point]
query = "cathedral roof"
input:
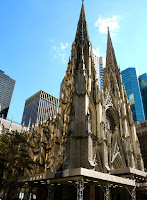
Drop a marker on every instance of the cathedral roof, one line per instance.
(82, 30)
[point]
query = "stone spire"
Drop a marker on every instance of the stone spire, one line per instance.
(10, 127)
(110, 54)
(118, 117)
(82, 30)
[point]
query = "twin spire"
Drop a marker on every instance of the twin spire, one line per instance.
(82, 35)
(82, 30)
(110, 54)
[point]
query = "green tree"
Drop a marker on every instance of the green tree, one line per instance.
(14, 159)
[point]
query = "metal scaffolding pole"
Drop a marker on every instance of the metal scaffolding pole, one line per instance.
(133, 194)
(80, 188)
(49, 190)
(106, 195)
(27, 192)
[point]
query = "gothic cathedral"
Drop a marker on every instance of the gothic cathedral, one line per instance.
(90, 149)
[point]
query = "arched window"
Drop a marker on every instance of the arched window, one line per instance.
(110, 120)
(112, 86)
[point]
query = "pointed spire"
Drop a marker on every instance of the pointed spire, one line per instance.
(109, 43)
(29, 124)
(1, 119)
(37, 122)
(1, 126)
(82, 30)
(55, 113)
(10, 127)
(22, 128)
(110, 54)
(69, 60)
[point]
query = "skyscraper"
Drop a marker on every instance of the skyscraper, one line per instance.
(101, 69)
(6, 90)
(95, 56)
(143, 88)
(99, 63)
(130, 80)
(39, 107)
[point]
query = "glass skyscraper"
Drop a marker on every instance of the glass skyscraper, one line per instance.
(130, 80)
(143, 87)
(6, 90)
(39, 107)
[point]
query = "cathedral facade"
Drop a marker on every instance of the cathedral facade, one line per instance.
(89, 150)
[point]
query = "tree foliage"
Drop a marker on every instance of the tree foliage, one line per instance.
(14, 159)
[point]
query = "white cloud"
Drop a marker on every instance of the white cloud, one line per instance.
(59, 50)
(64, 46)
(103, 24)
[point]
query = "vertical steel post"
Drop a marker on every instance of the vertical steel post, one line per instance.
(80, 188)
(106, 195)
(133, 194)
(49, 191)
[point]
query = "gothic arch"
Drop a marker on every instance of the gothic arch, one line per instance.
(116, 154)
(112, 82)
(112, 118)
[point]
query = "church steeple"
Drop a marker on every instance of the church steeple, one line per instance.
(82, 30)
(110, 54)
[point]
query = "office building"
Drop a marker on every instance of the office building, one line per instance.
(130, 80)
(61, 88)
(143, 88)
(99, 63)
(95, 57)
(39, 107)
(102, 64)
(6, 90)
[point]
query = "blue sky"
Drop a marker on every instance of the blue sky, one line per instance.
(36, 38)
